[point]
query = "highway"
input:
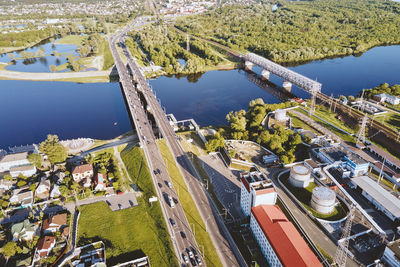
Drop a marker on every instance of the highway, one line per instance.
(154, 158)
(181, 234)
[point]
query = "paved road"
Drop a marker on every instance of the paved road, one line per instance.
(226, 184)
(180, 231)
(48, 76)
(155, 161)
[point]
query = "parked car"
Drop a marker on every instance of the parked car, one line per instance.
(185, 258)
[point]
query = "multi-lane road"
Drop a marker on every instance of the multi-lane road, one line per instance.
(154, 158)
(178, 226)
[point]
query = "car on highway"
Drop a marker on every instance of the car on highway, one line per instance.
(172, 221)
(193, 250)
(168, 184)
(183, 235)
(171, 202)
(193, 262)
(191, 254)
(185, 258)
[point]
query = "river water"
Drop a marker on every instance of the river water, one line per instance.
(31, 110)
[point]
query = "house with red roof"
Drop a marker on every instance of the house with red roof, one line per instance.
(45, 245)
(280, 242)
(82, 171)
(54, 223)
(256, 189)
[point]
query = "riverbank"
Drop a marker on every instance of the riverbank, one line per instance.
(81, 77)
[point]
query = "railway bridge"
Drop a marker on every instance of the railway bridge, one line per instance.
(291, 77)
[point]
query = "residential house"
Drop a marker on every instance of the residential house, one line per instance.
(58, 177)
(6, 184)
(99, 182)
(24, 231)
(82, 171)
(55, 192)
(43, 189)
(25, 170)
(22, 196)
(12, 160)
(54, 223)
(45, 245)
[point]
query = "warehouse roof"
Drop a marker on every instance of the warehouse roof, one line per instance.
(382, 196)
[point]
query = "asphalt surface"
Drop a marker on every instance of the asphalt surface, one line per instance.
(180, 231)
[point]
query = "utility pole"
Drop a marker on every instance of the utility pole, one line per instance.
(380, 173)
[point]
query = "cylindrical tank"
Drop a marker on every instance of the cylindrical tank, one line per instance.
(300, 176)
(280, 115)
(323, 199)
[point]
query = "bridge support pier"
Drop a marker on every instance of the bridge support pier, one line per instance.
(248, 65)
(265, 74)
(287, 86)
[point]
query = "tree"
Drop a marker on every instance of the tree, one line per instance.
(35, 159)
(54, 150)
(53, 68)
(9, 249)
(8, 177)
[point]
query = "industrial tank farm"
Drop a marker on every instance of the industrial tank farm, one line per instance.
(300, 176)
(323, 199)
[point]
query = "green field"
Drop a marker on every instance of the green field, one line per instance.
(131, 232)
(72, 39)
(188, 205)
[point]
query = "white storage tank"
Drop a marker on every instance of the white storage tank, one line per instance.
(300, 176)
(280, 115)
(323, 199)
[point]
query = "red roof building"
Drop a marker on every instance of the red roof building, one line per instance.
(279, 240)
(45, 245)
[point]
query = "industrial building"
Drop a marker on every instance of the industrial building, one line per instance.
(300, 176)
(323, 199)
(256, 189)
(352, 165)
(379, 197)
(279, 240)
(391, 256)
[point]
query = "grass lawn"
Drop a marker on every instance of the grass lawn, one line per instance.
(72, 40)
(390, 119)
(127, 233)
(192, 214)
(106, 52)
(240, 167)
(132, 231)
(304, 196)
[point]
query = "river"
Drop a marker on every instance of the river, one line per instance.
(30, 110)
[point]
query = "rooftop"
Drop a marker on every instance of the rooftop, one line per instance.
(14, 157)
(382, 196)
(384, 154)
(287, 243)
(257, 181)
(82, 168)
(22, 168)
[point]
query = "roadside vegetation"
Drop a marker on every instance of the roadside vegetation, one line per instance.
(300, 31)
(246, 125)
(192, 214)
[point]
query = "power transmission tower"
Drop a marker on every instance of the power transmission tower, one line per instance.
(361, 132)
(187, 43)
(341, 255)
(330, 102)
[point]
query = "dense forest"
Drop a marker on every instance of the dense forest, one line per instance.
(301, 30)
(164, 46)
(246, 125)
